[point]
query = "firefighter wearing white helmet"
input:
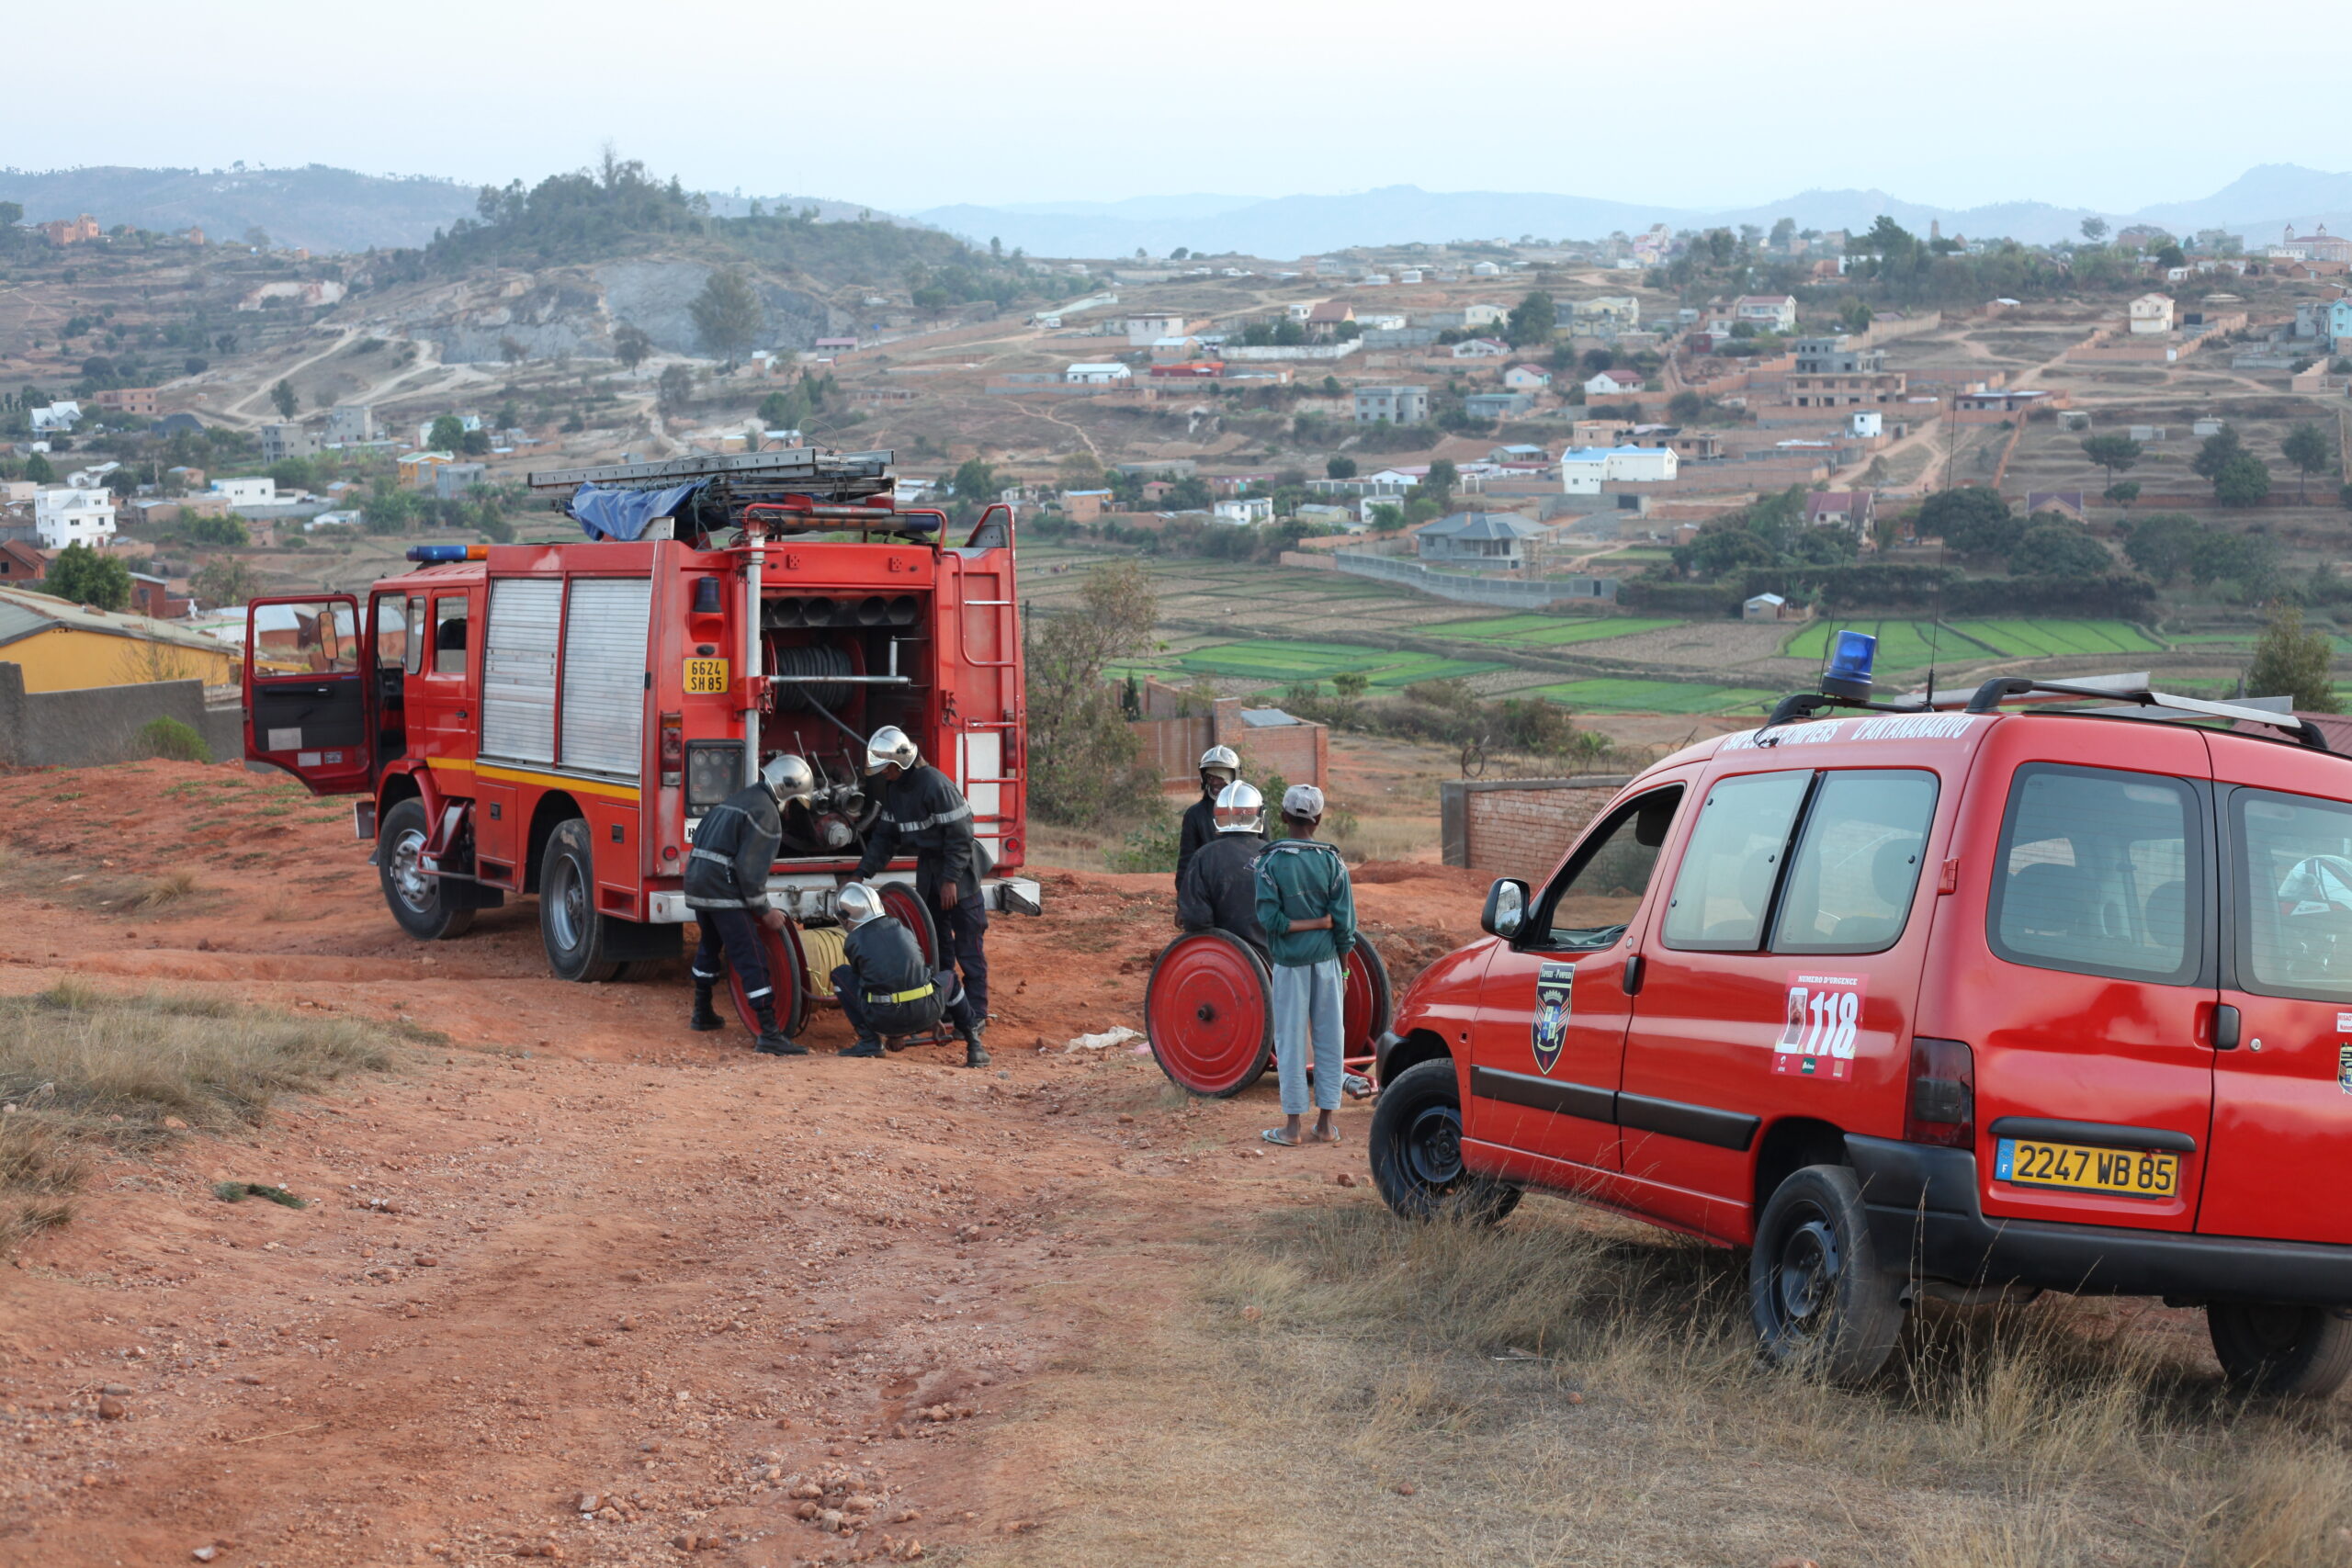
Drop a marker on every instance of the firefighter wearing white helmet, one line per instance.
(886, 987)
(925, 815)
(1217, 891)
(1220, 765)
(726, 887)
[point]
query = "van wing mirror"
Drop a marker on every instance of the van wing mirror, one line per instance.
(1505, 909)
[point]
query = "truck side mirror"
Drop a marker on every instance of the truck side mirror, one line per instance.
(1505, 909)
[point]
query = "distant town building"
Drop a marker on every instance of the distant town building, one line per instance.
(1586, 468)
(281, 441)
(57, 418)
(2318, 246)
(1527, 379)
(1397, 405)
(69, 516)
(1829, 374)
(258, 490)
(1480, 348)
(1613, 383)
(350, 423)
(1492, 541)
(1852, 510)
(1108, 373)
(63, 231)
(1146, 328)
(139, 400)
(1244, 510)
(1767, 313)
(2152, 313)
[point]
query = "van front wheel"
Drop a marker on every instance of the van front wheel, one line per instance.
(1821, 1302)
(2286, 1352)
(1416, 1148)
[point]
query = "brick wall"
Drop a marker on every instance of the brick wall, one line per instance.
(1520, 827)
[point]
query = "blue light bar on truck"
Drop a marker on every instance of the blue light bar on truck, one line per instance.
(429, 553)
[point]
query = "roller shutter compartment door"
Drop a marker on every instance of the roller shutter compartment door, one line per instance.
(603, 676)
(518, 669)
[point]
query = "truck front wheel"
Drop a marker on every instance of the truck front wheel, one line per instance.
(1416, 1148)
(1821, 1302)
(569, 923)
(426, 907)
(2287, 1352)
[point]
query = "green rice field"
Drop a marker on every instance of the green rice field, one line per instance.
(1616, 695)
(1290, 663)
(1912, 645)
(1545, 631)
(1901, 645)
(2046, 636)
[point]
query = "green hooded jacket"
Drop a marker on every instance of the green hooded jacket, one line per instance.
(1300, 879)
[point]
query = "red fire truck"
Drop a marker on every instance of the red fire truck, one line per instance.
(555, 719)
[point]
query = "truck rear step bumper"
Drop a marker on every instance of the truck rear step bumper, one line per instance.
(1925, 1219)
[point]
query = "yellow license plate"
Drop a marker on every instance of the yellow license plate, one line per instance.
(2128, 1173)
(707, 676)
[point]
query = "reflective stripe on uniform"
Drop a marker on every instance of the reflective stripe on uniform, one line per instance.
(916, 994)
(713, 856)
(936, 820)
(755, 995)
(700, 976)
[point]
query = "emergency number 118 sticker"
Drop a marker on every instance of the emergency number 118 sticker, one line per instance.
(1818, 1030)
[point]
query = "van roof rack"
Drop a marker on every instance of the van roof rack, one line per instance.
(2002, 688)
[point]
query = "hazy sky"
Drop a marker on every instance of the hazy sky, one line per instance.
(913, 103)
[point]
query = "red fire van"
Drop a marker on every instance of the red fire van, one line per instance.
(2043, 993)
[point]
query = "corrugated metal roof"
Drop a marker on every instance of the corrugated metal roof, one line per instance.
(22, 615)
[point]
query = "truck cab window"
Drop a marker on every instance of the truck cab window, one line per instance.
(415, 643)
(1591, 902)
(1857, 863)
(449, 636)
(2101, 872)
(1736, 849)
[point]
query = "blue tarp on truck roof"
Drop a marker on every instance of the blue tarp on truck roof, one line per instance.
(604, 514)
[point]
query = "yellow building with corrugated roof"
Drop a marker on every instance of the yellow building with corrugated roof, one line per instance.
(63, 646)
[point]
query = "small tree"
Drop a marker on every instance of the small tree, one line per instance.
(39, 470)
(2243, 481)
(2116, 454)
(2059, 549)
(2122, 493)
(224, 580)
(2291, 662)
(2309, 452)
(447, 434)
(676, 388)
(1339, 468)
(727, 315)
(285, 399)
(228, 531)
(81, 576)
(2095, 230)
(630, 346)
(1972, 520)
(1533, 319)
(1438, 486)
(1085, 767)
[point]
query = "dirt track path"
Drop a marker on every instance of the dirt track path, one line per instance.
(577, 1250)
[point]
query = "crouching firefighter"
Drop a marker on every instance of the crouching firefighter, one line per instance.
(1218, 890)
(726, 887)
(886, 987)
(925, 815)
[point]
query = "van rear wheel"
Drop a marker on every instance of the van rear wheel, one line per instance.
(1822, 1304)
(569, 926)
(1416, 1148)
(2286, 1352)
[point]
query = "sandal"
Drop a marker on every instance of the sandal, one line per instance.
(1274, 1136)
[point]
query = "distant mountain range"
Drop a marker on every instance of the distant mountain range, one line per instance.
(316, 208)
(2258, 204)
(337, 209)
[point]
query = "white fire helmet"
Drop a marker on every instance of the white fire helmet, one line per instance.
(1240, 808)
(1220, 765)
(788, 778)
(889, 745)
(857, 904)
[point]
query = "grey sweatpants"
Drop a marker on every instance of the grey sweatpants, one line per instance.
(1309, 1000)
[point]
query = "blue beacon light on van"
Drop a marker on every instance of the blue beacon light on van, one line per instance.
(1849, 675)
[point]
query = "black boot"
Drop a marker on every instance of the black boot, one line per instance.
(867, 1045)
(774, 1042)
(975, 1055)
(704, 1018)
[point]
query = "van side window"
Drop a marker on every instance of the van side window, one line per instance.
(2294, 903)
(449, 636)
(1595, 898)
(1736, 850)
(2102, 872)
(1857, 862)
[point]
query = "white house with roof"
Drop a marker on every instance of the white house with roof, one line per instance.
(1767, 313)
(1244, 510)
(2152, 313)
(91, 478)
(256, 490)
(1527, 379)
(57, 418)
(1480, 348)
(1613, 383)
(1586, 468)
(1147, 327)
(1106, 374)
(69, 516)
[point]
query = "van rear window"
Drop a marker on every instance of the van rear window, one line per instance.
(2294, 926)
(2100, 871)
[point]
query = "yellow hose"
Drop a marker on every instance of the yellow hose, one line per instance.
(823, 946)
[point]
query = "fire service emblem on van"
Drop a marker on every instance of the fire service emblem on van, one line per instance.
(1554, 1001)
(1819, 1027)
(2344, 1067)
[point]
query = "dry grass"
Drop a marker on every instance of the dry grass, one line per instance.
(168, 888)
(286, 911)
(1562, 1389)
(1384, 838)
(38, 1176)
(83, 1061)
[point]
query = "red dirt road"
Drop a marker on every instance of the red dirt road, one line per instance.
(578, 1249)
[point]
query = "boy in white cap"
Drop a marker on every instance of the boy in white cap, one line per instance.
(1310, 914)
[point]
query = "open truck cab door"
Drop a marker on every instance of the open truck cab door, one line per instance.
(307, 704)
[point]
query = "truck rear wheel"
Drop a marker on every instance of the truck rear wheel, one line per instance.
(426, 907)
(569, 923)
(1822, 1304)
(1416, 1148)
(2289, 1352)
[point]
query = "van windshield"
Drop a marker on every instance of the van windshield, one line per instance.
(2294, 935)
(2102, 871)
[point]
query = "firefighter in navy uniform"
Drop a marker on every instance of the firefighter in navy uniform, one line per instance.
(885, 987)
(925, 815)
(1218, 891)
(726, 887)
(1219, 767)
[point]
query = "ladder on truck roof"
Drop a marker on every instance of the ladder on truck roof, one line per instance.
(798, 486)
